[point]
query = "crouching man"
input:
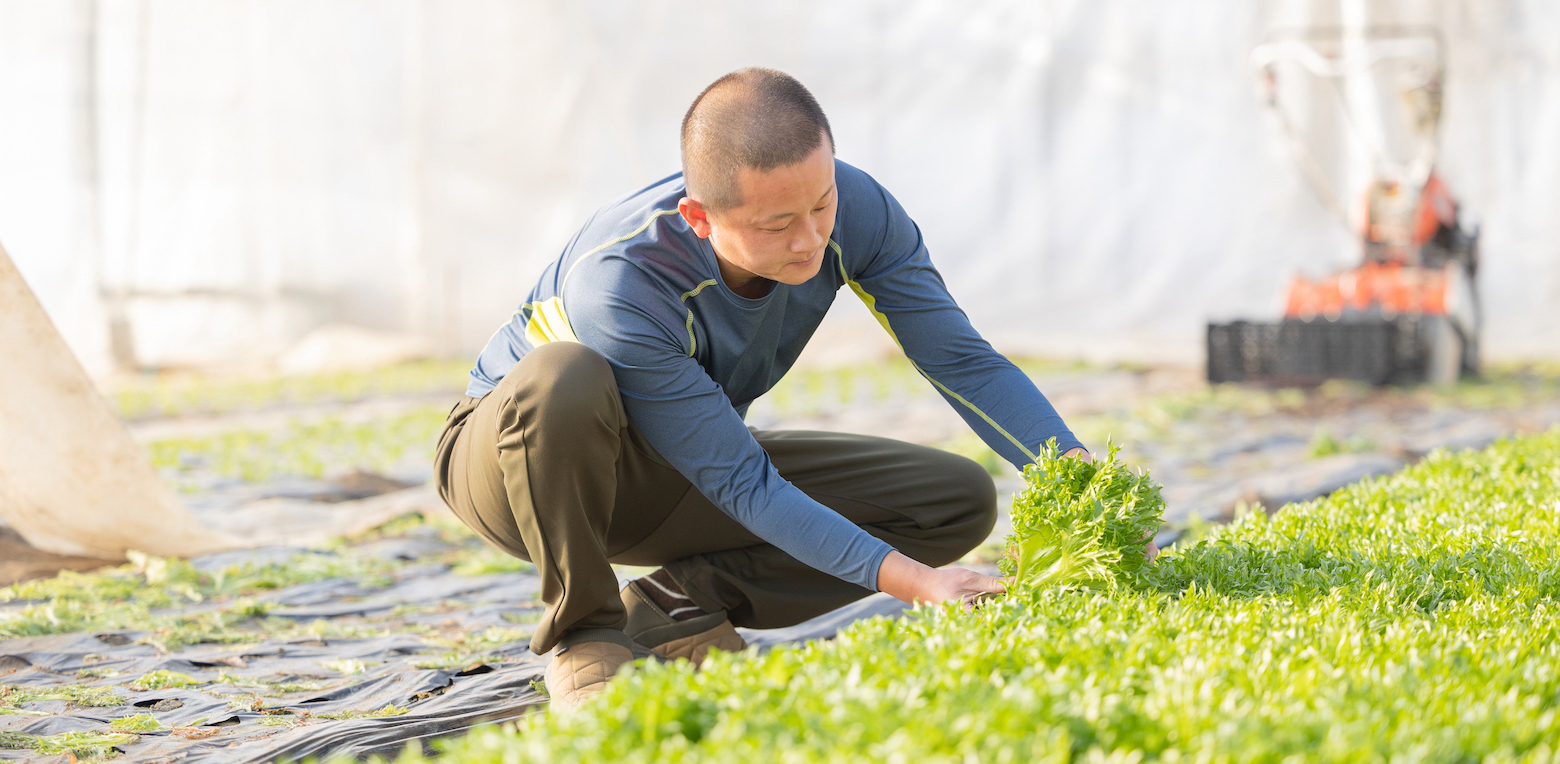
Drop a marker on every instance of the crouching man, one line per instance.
(604, 421)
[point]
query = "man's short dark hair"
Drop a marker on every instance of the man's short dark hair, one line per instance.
(755, 118)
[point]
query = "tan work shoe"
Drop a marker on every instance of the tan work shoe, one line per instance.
(579, 671)
(667, 637)
(696, 647)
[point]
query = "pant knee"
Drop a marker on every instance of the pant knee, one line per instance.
(983, 497)
(566, 382)
(970, 508)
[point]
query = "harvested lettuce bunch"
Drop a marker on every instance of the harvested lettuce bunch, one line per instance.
(1080, 523)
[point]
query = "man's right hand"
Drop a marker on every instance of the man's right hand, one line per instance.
(916, 583)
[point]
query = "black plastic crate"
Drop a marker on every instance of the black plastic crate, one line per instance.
(1304, 353)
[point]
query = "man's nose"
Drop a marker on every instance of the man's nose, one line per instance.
(808, 237)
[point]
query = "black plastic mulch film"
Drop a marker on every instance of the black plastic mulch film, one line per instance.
(216, 721)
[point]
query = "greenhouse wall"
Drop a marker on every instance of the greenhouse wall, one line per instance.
(203, 182)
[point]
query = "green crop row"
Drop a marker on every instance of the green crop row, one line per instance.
(1161, 418)
(1408, 618)
(813, 391)
(308, 449)
(181, 395)
(147, 595)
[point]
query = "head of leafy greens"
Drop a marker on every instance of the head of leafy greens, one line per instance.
(1080, 523)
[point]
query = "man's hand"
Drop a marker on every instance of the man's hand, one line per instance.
(915, 583)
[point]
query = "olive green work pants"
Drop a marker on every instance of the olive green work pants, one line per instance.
(548, 468)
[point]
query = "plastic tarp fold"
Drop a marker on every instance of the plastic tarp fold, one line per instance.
(72, 481)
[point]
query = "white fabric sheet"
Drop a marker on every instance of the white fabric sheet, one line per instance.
(1094, 177)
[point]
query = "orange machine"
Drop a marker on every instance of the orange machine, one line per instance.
(1404, 273)
(1408, 313)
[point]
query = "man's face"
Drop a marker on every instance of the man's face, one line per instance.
(782, 229)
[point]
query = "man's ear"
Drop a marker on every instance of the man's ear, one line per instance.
(698, 218)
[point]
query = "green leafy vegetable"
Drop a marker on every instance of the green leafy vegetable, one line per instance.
(1080, 523)
(1409, 618)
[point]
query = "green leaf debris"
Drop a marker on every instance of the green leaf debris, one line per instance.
(12, 696)
(83, 745)
(138, 723)
(163, 679)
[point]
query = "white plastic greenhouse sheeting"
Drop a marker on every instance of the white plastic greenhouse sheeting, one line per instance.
(1094, 177)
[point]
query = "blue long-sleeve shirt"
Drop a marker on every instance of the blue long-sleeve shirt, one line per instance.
(689, 355)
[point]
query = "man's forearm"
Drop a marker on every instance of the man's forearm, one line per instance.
(904, 578)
